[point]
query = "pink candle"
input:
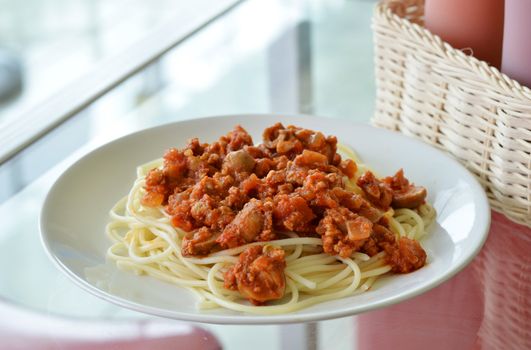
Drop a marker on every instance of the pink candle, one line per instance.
(474, 24)
(516, 57)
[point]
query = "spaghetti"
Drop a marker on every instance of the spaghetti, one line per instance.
(146, 241)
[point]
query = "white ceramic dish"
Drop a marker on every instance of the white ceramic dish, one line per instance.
(76, 211)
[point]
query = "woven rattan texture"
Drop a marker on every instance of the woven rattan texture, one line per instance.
(429, 90)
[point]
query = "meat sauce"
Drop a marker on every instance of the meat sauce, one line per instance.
(232, 192)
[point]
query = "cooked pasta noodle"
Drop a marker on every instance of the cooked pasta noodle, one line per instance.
(145, 242)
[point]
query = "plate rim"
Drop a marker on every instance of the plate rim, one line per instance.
(243, 318)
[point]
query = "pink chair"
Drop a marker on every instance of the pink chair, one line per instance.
(486, 306)
(24, 329)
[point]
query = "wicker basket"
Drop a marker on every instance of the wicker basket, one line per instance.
(429, 90)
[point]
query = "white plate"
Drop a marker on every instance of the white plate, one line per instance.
(76, 211)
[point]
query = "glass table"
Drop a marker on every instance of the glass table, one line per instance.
(310, 57)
